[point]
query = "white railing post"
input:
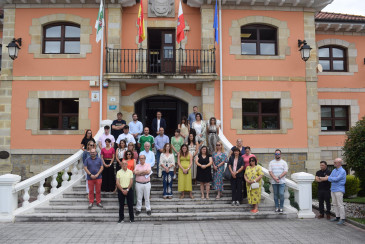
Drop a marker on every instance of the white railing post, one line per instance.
(304, 194)
(8, 197)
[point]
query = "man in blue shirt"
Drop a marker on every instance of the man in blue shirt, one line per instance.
(93, 167)
(338, 180)
(135, 128)
(160, 142)
(150, 156)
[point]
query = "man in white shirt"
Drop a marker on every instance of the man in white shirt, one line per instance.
(150, 156)
(278, 169)
(126, 136)
(101, 141)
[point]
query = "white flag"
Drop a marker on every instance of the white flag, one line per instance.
(99, 25)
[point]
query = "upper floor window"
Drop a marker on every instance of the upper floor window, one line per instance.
(258, 40)
(334, 118)
(59, 114)
(261, 114)
(332, 58)
(61, 38)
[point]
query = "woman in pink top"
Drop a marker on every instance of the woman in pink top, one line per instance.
(107, 156)
(246, 157)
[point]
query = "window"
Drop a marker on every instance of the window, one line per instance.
(334, 118)
(258, 40)
(260, 114)
(332, 58)
(59, 114)
(61, 38)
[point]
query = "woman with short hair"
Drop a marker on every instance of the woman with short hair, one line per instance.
(236, 166)
(253, 174)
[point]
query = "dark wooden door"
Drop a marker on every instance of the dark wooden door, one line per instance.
(168, 55)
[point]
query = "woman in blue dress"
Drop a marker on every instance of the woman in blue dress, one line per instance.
(219, 159)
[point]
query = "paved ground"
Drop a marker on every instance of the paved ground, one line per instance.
(248, 231)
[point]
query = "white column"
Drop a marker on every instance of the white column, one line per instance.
(304, 196)
(9, 198)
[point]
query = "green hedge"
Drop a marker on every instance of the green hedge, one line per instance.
(352, 186)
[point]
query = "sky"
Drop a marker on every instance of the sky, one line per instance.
(355, 7)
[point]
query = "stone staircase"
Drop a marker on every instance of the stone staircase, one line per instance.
(72, 206)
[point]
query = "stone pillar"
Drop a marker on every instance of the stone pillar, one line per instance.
(313, 108)
(9, 198)
(304, 195)
(6, 89)
(113, 99)
(208, 99)
(207, 32)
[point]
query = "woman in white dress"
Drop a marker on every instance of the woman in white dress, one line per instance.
(167, 165)
(200, 128)
(184, 127)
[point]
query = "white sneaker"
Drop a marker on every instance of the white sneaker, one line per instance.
(233, 202)
(174, 177)
(237, 203)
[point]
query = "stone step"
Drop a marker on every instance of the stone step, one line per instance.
(157, 187)
(154, 201)
(156, 208)
(196, 193)
(110, 217)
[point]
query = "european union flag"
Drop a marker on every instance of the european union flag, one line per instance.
(215, 25)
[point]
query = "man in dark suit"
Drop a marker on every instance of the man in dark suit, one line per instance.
(158, 123)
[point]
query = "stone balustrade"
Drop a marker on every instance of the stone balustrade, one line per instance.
(11, 187)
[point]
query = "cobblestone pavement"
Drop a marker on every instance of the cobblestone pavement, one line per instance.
(248, 231)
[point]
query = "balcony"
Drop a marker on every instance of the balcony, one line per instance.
(160, 65)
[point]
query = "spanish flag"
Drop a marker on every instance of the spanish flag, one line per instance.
(140, 22)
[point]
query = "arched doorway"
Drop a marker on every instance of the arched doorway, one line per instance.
(172, 109)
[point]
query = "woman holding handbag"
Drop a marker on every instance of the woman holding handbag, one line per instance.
(253, 175)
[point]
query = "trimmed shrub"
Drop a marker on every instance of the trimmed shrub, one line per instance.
(314, 190)
(352, 186)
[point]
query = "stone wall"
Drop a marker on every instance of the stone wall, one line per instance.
(28, 165)
(296, 161)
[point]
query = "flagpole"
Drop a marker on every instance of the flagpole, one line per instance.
(101, 77)
(220, 64)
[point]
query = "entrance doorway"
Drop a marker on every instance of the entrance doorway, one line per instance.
(161, 50)
(172, 109)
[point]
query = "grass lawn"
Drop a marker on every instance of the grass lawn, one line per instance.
(355, 200)
(361, 221)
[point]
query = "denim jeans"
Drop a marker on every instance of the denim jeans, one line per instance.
(279, 194)
(167, 183)
(158, 154)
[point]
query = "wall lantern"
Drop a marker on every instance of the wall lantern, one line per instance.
(13, 48)
(305, 50)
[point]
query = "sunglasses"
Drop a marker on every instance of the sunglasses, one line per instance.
(91, 144)
(129, 154)
(218, 145)
(277, 154)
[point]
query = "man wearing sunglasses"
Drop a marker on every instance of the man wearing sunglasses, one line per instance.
(278, 169)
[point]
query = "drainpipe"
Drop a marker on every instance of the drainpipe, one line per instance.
(220, 64)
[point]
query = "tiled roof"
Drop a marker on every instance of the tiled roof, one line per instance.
(333, 17)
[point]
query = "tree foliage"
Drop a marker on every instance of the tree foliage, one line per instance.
(354, 151)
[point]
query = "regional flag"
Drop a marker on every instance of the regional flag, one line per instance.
(180, 25)
(215, 25)
(140, 22)
(99, 25)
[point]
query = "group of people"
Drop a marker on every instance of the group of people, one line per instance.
(195, 153)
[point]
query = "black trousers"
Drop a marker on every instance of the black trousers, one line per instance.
(322, 197)
(244, 195)
(121, 198)
(236, 185)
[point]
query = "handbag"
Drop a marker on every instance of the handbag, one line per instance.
(227, 174)
(255, 185)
